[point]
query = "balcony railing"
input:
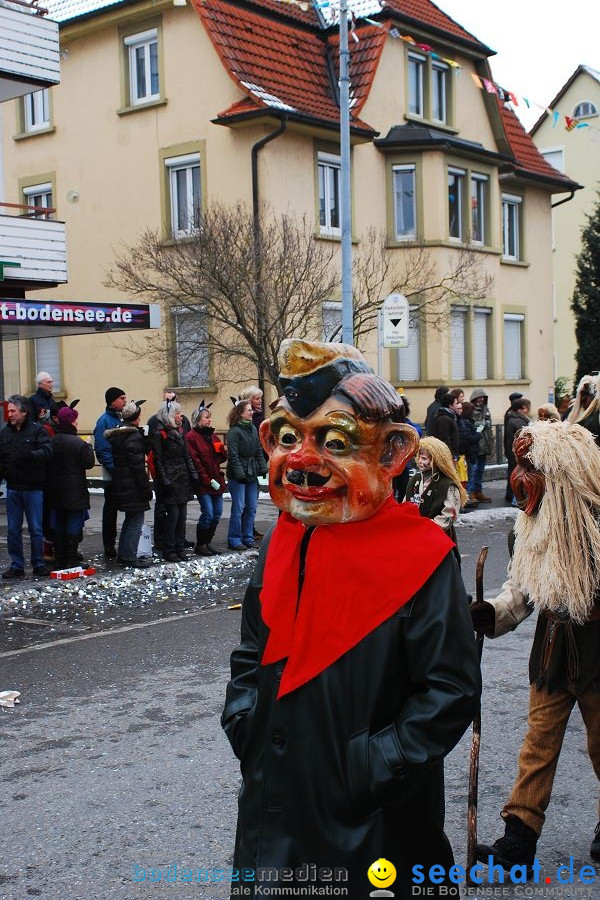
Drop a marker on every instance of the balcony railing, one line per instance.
(29, 51)
(33, 246)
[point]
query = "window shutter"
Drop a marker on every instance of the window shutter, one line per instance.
(457, 343)
(480, 341)
(512, 346)
(408, 360)
(47, 359)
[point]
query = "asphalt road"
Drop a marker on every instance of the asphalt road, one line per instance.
(115, 762)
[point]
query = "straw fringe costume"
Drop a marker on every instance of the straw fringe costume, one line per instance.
(556, 570)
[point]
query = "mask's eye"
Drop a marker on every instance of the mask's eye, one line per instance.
(336, 441)
(288, 436)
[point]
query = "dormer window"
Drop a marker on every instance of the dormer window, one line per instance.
(585, 110)
(429, 89)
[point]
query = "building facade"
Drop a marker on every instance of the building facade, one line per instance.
(576, 151)
(159, 107)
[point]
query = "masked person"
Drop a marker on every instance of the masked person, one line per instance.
(352, 680)
(555, 569)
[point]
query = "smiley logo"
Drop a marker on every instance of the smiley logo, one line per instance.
(382, 873)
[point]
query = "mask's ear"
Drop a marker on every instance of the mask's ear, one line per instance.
(266, 436)
(400, 444)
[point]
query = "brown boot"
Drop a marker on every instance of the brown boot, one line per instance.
(481, 497)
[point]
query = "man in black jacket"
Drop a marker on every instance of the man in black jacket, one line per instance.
(25, 451)
(41, 402)
(352, 680)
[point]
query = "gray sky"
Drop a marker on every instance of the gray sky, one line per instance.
(538, 45)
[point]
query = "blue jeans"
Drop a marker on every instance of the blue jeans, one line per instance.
(244, 498)
(211, 510)
(32, 504)
(130, 535)
(475, 472)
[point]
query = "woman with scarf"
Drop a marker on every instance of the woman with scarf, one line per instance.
(435, 488)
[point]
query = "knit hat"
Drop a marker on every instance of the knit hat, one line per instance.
(514, 396)
(131, 410)
(112, 394)
(66, 415)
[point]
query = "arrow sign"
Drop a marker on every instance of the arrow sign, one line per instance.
(395, 322)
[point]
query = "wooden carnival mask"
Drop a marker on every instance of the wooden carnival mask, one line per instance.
(336, 437)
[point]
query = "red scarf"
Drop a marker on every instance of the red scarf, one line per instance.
(357, 575)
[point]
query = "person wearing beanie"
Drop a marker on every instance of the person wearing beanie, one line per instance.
(483, 423)
(68, 495)
(110, 418)
(131, 486)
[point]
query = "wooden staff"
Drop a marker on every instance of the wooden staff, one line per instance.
(476, 738)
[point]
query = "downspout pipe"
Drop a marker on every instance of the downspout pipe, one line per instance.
(564, 200)
(254, 155)
(256, 220)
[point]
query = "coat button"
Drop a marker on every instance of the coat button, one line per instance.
(278, 739)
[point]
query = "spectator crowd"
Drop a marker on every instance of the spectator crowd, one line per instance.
(45, 464)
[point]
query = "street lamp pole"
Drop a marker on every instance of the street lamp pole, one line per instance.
(345, 188)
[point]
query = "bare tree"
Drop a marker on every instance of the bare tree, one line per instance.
(245, 286)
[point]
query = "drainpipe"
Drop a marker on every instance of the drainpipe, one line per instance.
(256, 219)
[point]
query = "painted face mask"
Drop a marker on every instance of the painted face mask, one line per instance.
(336, 437)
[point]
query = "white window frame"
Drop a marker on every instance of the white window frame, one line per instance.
(329, 166)
(482, 316)
(416, 85)
(439, 78)
(332, 330)
(519, 319)
(408, 359)
(480, 183)
(458, 350)
(142, 41)
(406, 235)
(201, 380)
(588, 113)
(36, 111)
(511, 208)
(39, 195)
(187, 163)
(460, 175)
(48, 359)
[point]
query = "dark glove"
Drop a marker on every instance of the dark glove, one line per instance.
(148, 495)
(24, 458)
(483, 616)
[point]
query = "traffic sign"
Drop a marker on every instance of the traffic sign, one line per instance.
(395, 322)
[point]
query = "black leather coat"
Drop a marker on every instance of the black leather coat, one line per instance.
(348, 768)
(130, 482)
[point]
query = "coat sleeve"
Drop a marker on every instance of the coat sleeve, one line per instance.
(201, 471)
(86, 455)
(260, 457)
(511, 607)
(102, 444)
(157, 446)
(242, 689)
(233, 450)
(443, 668)
(43, 446)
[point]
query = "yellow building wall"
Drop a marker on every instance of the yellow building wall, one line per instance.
(112, 162)
(581, 155)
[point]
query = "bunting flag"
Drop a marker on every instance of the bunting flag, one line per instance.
(492, 87)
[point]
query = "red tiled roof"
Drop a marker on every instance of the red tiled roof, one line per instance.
(527, 156)
(283, 67)
(428, 13)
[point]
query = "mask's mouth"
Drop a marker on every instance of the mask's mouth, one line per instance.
(306, 485)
